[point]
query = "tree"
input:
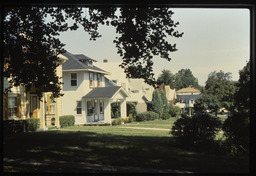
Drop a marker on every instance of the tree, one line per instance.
(166, 77)
(31, 44)
(207, 102)
(185, 78)
(220, 85)
(236, 126)
(165, 101)
(157, 103)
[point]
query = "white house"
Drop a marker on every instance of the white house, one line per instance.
(140, 92)
(187, 97)
(87, 94)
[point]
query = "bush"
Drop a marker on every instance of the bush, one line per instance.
(131, 109)
(174, 111)
(146, 116)
(13, 126)
(32, 124)
(166, 116)
(199, 129)
(129, 119)
(236, 130)
(117, 121)
(67, 120)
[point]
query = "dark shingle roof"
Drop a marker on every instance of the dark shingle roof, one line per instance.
(102, 92)
(73, 63)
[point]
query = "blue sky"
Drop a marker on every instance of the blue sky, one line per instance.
(214, 39)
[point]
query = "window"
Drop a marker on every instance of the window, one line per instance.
(73, 79)
(12, 107)
(98, 79)
(89, 108)
(78, 107)
(101, 107)
(91, 75)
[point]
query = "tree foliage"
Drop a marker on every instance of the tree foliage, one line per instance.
(183, 78)
(200, 129)
(31, 41)
(166, 77)
(207, 102)
(220, 85)
(157, 103)
(236, 126)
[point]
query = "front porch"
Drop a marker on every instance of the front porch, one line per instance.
(98, 104)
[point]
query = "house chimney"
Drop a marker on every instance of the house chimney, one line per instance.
(105, 60)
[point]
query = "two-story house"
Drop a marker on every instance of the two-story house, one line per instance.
(86, 95)
(20, 104)
(187, 97)
(140, 92)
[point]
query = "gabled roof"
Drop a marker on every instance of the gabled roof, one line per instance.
(104, 92)
(189, 97)
(189, 89)
(73, 63)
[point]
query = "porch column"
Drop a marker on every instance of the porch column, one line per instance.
(123, 108)
(107, 111)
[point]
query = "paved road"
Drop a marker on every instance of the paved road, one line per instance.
(86, 166)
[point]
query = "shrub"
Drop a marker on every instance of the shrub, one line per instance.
(117, 121)
(131, 109)
(199, 129)
(236, 130)
(129, 119)
(13, 126)
(146, 116)
(67, 120)
(166, 116)
(174, 111)
(32, 124)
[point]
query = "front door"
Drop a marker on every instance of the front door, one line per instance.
(34, 109)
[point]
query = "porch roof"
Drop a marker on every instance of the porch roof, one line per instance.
(104, 92)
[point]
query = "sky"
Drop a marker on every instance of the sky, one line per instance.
(213, 40)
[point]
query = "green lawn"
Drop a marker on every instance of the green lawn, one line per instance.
(113, 145)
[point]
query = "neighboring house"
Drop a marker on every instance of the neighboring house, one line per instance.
(140, 92)
(187, 97)
(170, 93)
(20, 104)
(87, 94)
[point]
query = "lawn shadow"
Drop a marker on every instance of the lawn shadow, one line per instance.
(108, 149)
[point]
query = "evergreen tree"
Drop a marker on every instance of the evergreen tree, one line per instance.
(165, 101)
(157, 103)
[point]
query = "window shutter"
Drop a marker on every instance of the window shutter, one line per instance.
(19, 105)
(6, 106)
(48, 104)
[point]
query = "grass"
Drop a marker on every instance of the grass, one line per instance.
(112, 145)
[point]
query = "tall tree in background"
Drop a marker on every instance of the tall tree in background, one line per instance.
(167, 78)
(165, 101)
(220, 85)
(157, 103)
(31, 42)
(185, 78)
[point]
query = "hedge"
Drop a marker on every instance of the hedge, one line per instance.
(14, 126)
(32, 124)
(67, 120)
(146, 116)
